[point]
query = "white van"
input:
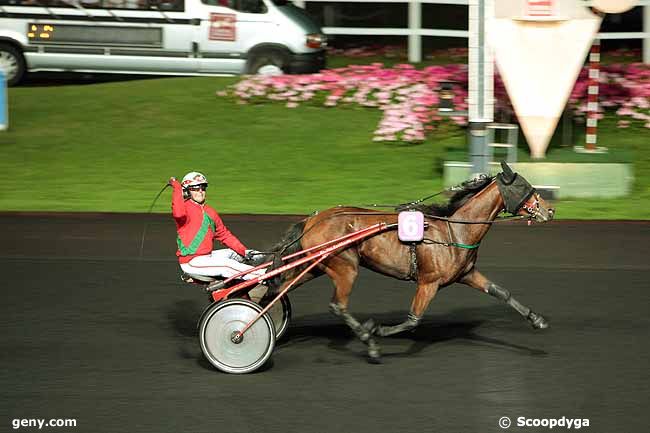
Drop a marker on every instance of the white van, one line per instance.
(170, 37)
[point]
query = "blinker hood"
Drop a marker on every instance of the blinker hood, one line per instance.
(514, 189)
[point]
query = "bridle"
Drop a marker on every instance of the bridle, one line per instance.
(533, 208)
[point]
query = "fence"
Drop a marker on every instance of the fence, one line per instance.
(415, 32)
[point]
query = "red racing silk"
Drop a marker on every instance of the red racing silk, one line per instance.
(197, 225)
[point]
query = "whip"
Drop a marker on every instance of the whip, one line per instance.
(146, 224)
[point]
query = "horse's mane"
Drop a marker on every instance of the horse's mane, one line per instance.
(464, 192)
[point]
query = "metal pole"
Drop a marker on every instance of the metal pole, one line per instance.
(646, 30)
(480, 83)
(415, 24)
(4, 104)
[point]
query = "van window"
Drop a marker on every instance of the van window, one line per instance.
(248, 6)
(163, 5)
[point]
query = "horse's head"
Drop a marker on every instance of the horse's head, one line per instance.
(521, 198)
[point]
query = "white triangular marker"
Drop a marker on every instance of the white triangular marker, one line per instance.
(613, 6)
(539, 60)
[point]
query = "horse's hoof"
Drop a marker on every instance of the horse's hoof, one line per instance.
(537, 321)
(374, 357)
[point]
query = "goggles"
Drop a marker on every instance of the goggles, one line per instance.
(200, 187)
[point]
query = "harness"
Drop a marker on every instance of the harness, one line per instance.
(413, 269)
(198, 238)
(514, 190)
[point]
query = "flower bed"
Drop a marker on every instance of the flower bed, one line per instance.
(409, 98)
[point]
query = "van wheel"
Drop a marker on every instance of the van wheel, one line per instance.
(269, 62)
(12, 63)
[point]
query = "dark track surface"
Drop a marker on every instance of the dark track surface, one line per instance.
(91, 332)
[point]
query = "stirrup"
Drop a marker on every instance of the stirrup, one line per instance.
(186, 278)
(214, 286)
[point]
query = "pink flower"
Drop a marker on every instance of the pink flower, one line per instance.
(624, 111)
(408, 97)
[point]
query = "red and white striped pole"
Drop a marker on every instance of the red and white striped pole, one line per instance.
(592, 96)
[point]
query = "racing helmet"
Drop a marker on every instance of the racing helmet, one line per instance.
(193, 178)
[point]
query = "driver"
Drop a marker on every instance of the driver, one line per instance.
(197, 225)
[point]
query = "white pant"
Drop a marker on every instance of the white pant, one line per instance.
(224, 263)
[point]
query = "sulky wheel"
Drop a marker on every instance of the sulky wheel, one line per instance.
(280, 312)
(218, 331)
(281, 315)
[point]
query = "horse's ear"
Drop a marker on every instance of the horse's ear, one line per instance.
(507, 171)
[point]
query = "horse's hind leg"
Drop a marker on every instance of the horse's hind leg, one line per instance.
(343, 276)
(423, 296)
(478, 281)
(364, 332)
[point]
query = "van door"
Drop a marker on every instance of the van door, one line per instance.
(228, 30)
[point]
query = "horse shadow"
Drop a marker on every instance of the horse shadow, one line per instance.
(459, 325)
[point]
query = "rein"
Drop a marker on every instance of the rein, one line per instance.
(406, 207)
(411, 203)
(451, 244)
(426, 240)
(437, 217)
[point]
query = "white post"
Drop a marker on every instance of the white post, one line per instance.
(299, 3)
(480, 62)
(415, 24)
(646, 30)
(480, 83)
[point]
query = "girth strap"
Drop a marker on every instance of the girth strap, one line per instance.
(467, 247)
(413, 271)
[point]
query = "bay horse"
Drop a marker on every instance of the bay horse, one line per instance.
(447, 254)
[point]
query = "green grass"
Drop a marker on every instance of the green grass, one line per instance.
(111, 147)
(558, 152)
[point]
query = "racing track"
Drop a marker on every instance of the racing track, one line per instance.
(91, 332)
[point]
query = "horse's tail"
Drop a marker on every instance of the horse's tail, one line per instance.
(289, 244)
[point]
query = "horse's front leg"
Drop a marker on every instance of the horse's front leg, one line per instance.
(423, 296)
(478, 281)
